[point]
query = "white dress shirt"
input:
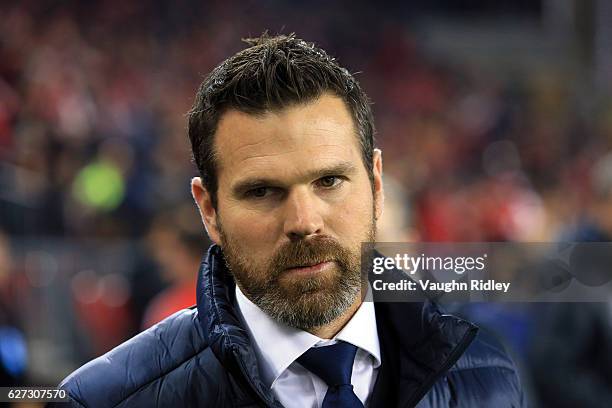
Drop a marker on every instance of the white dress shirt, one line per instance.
(277, 346)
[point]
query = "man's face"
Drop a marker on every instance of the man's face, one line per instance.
(294, 204)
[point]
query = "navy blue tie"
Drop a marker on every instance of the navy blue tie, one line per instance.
(334, 365)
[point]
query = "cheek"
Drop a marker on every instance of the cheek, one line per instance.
(251, 232)
(352, 218)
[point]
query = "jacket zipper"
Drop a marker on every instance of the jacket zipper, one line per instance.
(450, 361)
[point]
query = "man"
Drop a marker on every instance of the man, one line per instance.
(290, 187)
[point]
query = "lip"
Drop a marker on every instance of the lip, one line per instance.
(309, 270)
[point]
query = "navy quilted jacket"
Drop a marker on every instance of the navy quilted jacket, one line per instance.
(202, 357)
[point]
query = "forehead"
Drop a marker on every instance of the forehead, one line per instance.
(302, 137)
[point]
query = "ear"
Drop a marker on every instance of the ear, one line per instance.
(207, 211)
(379, 194)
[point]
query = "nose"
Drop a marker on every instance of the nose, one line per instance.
(302, 214)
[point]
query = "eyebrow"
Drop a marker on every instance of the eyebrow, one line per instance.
(344, 168)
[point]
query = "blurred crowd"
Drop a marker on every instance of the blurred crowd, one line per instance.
(99, 237)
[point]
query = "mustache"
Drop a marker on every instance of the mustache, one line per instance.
(305, 253)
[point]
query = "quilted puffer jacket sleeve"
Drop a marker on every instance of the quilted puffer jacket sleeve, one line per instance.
(157, 363)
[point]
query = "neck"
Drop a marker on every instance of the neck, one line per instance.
(329, 330)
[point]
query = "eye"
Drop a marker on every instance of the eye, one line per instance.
(258, 192)
(329, 181)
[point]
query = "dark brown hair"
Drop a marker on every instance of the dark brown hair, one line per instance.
(272, 74)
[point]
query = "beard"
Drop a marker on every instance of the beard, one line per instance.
(303, 302)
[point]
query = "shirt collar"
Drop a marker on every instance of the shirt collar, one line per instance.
(277, 345)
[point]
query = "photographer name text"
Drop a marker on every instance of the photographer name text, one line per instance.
(479, 285)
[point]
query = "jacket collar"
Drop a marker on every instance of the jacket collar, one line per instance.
(426, 341)
(222, 329)
(419, 344)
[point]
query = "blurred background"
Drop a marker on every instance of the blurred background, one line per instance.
(495, 121)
